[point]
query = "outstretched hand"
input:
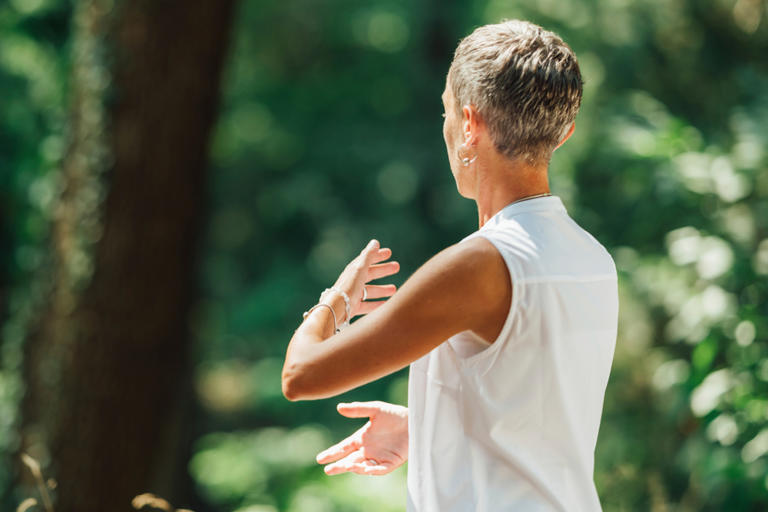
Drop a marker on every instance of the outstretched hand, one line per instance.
(377, 448)
(369, 265)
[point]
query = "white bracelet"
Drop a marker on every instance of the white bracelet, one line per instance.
(347, 303)
(306, 314)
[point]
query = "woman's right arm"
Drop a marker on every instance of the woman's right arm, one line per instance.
(464, 287)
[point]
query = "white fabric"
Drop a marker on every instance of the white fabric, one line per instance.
(513, 425)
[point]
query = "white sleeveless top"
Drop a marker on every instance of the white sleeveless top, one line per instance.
(513, 425)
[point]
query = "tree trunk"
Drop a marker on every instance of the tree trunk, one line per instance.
(106, 363)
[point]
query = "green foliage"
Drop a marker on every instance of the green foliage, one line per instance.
(33, 65)
(273, 467)
(330, 133)
(332, 137)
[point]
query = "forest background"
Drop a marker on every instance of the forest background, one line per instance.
(180, 180)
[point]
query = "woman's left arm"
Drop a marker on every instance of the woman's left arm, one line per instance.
(464, 287)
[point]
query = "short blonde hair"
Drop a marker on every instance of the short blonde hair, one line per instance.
(525, 83)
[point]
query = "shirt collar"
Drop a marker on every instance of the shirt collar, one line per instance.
(538, 204)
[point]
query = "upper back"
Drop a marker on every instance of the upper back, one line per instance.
(527, 407)
(542, 242)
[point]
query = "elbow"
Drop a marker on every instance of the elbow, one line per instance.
(299, 383)
(289, 390)
(290, 385)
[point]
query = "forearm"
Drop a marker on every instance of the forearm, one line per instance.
(314, 369)
(317, 327)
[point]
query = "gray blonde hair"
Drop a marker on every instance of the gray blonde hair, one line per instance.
(525, 83)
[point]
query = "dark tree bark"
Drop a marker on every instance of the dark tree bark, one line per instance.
(106, 364)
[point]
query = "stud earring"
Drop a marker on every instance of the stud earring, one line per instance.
(465, 161)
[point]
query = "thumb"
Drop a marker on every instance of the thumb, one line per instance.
(358, 409)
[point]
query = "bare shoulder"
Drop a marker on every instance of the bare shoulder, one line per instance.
(466, 284)
(477, 267)
(482, 256)
(492, 285)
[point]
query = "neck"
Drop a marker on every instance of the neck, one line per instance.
(502, 182)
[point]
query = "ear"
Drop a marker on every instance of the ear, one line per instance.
(567, 136)
(470, 125)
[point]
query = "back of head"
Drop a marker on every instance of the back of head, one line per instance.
(525, 83)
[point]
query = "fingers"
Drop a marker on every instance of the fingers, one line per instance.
(357, 463)
(369, 250)
(374, 253)
(372, 245)
(380, 291)
(339, 450)
(371, 467)
(382, 270)
(345, 464)
(359, 409)
(380, 255)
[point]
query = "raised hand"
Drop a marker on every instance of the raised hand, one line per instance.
(377, 448)
(370, 264)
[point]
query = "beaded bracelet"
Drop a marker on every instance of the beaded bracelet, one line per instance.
(347, 303)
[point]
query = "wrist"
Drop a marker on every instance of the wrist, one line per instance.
(336, 300)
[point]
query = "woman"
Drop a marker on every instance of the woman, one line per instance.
(509, 334)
